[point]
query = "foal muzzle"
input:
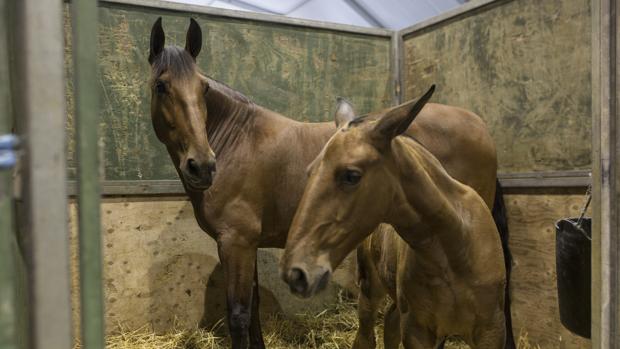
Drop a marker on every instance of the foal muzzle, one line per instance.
(306, 282)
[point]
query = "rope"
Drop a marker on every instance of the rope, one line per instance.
(583, 213)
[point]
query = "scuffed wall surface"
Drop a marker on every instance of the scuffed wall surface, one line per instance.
(535, 309)
(295, 71)
(161, 270)
(524, 66)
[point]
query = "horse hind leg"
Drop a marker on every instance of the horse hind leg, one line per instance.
(391, 328)
(370, 297)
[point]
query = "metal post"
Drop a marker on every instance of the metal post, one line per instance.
(8, 279)
(39, 96)
(605, 176)
(396, 65)
(84, 19)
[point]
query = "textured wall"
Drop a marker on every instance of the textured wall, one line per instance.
(535, 310)
(161, 270)
(524, 66)
(295, 71)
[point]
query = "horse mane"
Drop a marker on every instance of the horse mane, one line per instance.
(229, 91)
(181, 64)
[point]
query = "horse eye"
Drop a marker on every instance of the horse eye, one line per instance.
(351, 177)
(160, 87)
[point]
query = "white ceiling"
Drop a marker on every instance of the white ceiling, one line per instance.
(392, 14)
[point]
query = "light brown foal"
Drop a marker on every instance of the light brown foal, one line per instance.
(449, 277)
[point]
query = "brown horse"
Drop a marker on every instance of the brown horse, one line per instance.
(449, 276)
(261, 160)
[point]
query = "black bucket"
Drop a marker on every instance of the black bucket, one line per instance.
(573, 270)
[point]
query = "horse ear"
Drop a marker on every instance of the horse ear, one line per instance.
(193, 41)
(344, 112)
(158, 39)
(397, 120)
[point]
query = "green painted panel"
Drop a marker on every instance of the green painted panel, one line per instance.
(524, 66)
(295, 71)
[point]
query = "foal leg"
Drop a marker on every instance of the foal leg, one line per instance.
(256, 333)
(391, 328)
(368, 301)
(238, 260)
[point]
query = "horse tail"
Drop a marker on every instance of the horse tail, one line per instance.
(501, 222)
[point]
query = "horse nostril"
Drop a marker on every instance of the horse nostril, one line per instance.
(298, 282)
(211, 166)
(192, 168)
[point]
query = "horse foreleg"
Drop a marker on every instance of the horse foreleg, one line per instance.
(256, 334)
(238, 260)
(490, 335)
(368, 301)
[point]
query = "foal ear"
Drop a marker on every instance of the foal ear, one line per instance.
(193, 40)
(397, 120)
(344, 112)
(158, 39)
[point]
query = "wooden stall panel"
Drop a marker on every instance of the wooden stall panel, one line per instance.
(535, 309)
(295, 71)
(163, 272)
(524, 66)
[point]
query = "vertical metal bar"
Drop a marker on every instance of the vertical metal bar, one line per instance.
(40, 104)
(605, 176)
(8, 279)
(597, 112)
(396, 55)
(84, 19)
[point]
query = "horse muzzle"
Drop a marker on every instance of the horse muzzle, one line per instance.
(306, 282)
(199, 175)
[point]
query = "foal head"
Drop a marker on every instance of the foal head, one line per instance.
(350, 188)
(178, 105)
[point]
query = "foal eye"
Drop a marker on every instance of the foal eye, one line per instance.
(160, 87)
(351, 177)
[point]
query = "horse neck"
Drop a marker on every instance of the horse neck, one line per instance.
(432, 199)
(230, 117)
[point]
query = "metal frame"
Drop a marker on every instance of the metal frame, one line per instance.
(260, 17)
(556, 179)
(606, 192)
(84, 24)
(8, 269)
(397, 66)
(43, 215)
(467, 9)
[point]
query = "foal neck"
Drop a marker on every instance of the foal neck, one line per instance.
(230, 116)
(430, 199)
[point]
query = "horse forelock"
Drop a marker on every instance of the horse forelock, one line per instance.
(358, 120)
(175, 60)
